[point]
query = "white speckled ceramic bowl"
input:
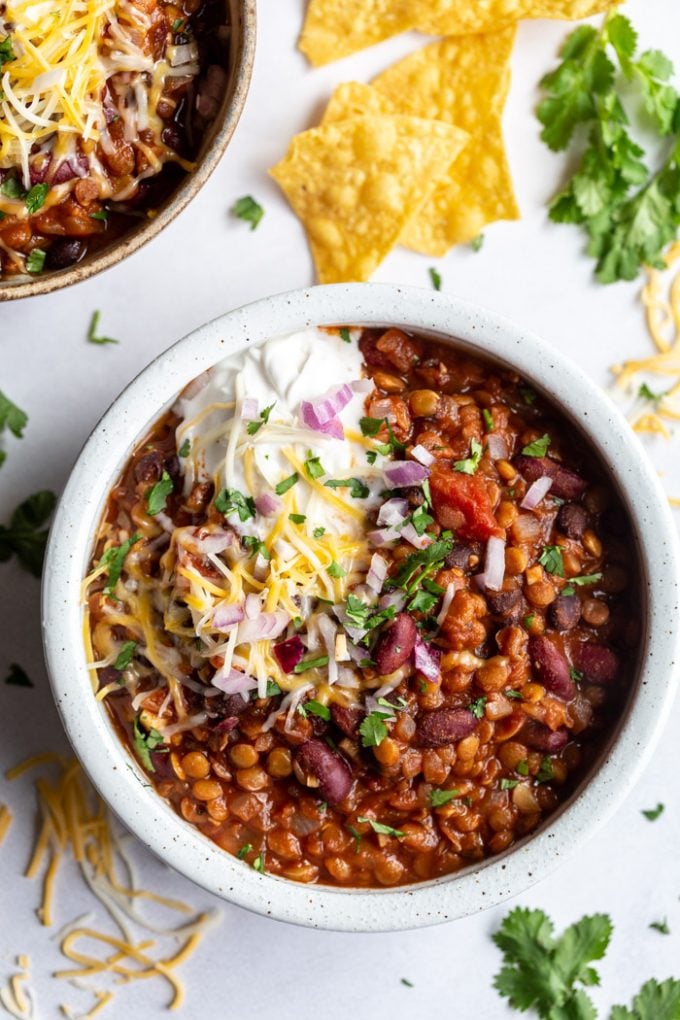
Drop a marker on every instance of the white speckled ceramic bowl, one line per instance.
(117, 776)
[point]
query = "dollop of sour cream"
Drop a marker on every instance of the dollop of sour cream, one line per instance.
(242, 429)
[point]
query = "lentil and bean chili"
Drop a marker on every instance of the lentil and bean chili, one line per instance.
(103, 106)
(448, 687)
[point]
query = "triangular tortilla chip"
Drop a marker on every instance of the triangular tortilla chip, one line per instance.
(463, 82)
(355, 184)
(335, 28)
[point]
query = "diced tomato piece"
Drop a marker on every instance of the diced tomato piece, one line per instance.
(461, 502)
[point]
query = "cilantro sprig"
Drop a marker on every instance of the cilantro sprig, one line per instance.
(145, 741)
(24, 536)
(12, 418)
(629, 214)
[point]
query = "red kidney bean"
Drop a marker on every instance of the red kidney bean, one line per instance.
(347, 718)
(565, 612)
(541, 738)
(599, 664)
(395, 644)
(551, 667)
(572, 520)
(332, 772)
(373, 356)
(65, 252)
(566, 484)
(162, 765)
(149, 467)
(443, 726)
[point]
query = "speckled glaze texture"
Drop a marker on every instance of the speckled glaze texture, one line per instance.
(243, 22)
(124, 786)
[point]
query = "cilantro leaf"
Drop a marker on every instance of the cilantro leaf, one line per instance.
(440, 797)
(436, 279)
(373, 729)
(248, 209)
(313, 466)
(255, 546)
(6, 51)
(477, 243)
(318, 532)
(538, 448)
(357, 489)
(345, 335)
(35, 261)
(35, 198)
(661, 926)
(420, 564)
(655, 1001)
(315, 707)
(471, 463)
(146, 741)
(231, 501)
(125, 655)
(157, 496)
(185, 448)
(380, 828)
(287, 484)
(651, 814)
(314, 663)
(335, 570)
(551, 559)
(114, 558)
(12, 417)
(253, 427)
(23, 536)
(477, 706)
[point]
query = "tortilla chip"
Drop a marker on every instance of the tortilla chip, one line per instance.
(356, 183)
(354, 99)
(460, 17)
(336, 28)
(462, 82)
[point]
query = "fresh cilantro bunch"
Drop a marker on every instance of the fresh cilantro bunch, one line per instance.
(543, 972)
(629, 213)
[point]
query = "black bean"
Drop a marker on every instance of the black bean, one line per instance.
(65, 251)
(572, 520)
(565, 612)
(502, 603)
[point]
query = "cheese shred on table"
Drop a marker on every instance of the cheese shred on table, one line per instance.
(74, 823)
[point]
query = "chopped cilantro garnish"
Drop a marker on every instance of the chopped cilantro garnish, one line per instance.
(125, 655)
(651, 814)
(646, 394)
(287, 484)
(380, 828)
(231, 501)
(576, 675)
(12, 417)
(471, 463)
(435, 277)
(255, 546)
(345, 335)
(23, 536)
(185, 448)
(661, 926)
(258, 863)
(146, 741)
(315, 708)
(422, 602)
(357, 489)
(528, 395)
(419, 564)
(357, 837)
(18, 677)
(6, 54)
(371, 456)
(156, 497)
(244, 851)
(297, 518)
(335, 570)
(405, 981)
(35, 262)
(538, 448)
(477, 706)
(371, 426)
(114, 558)
(420, 519)
(373, 729)
(584, 579)
(522, 768)
(92, 332)
(516, 695)
(488, 419)
(314, 663)
(529, 619)
(254, 426)
(35, 198)
(11, 186)
(551, 559)
(546, 771)
(272, 689)
(248, 209)
(508, 784)
(102, 215)
(313, 466)
(318, 532)
(477, 243)
(440, 797)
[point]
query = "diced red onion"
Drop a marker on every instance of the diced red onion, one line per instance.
(328, 631)
(264, 626)
(382, 536)
(357, 654)
(288, 653)
(253, 606)
(393, 598)
(362, 385)
(446, 603)
(316, 413)
(405, 472)
(332, 427)
(422, 455)
(393, 512)
(249, 408)
(497, 447)
(267, 504)
(494, 564)
(377, 573)
(536, 492)
(412, 536)
(427, 659)
(233, 681)
(225, 616)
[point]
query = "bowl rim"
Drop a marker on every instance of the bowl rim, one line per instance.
(223, 127)
(123, 785)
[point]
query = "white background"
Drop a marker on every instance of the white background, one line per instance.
(204, 264)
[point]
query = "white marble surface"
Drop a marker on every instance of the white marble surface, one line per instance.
(202, 265)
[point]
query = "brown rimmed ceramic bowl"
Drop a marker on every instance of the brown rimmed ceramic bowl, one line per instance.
(242, 53)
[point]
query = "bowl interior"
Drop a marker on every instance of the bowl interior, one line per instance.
(602, 429)
(215, 140)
